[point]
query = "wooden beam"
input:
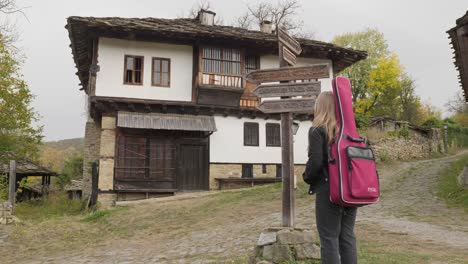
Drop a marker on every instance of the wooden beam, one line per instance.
(148, 108)
(114, 105)
(131, 106)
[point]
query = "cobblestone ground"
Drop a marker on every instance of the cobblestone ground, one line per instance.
(408, 216)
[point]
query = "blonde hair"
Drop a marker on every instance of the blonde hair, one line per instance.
(324, 114)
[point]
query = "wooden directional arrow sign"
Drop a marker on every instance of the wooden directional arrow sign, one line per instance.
(289, 42)
(304, 105)
(314, 71)
(287, 89)
(289, 56)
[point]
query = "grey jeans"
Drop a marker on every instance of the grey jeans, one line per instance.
(335, 225)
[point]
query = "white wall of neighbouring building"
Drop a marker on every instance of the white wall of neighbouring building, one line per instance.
(271, 61)
(227, 143)
(110, 82)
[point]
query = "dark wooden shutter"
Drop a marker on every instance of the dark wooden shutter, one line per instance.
(251, 134)
(273, 137)
(247, 171)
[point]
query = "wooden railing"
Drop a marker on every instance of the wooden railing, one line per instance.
(248, 101)
(222, 80)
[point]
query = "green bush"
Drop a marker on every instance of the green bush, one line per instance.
(72, 169)
(433, 122)
(3, 187)
(362, 121)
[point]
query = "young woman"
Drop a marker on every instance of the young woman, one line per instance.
(335, 224)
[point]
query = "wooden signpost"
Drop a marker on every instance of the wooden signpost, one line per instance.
(303, 105)
(289, 89)
(314, 71)
(288, 41)
(288, 49)
(288, 56)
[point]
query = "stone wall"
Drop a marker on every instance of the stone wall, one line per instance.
(415, 146)
(90, 153)
(235, 171)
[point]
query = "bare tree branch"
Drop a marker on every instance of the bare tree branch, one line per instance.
(283, 14)
(202, 4)
(244, 21)
(9, 7)
(457, 104)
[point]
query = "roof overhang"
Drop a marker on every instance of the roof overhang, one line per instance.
(459, 40)
(166, 121)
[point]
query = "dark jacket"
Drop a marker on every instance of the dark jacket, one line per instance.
(316, 170)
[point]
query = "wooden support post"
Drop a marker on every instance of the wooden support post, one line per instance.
(94, 186)
(287, 158)
(287, 170)
(12, 184)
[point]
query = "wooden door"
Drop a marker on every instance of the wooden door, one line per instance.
(193, 166)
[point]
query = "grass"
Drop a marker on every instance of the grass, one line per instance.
(52, 206)
(448, 187)
(101, 215)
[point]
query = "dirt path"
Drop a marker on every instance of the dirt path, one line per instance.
(218, 227)
(409, 205)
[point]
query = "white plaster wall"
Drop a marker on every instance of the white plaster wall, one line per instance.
(111, 55)
(271, 61)
(227, 144)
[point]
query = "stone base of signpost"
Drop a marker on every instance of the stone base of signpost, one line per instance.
(6, 214)
(280, 244)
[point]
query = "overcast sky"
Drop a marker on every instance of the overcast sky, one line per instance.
(415, 30)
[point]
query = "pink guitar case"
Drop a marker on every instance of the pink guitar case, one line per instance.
(353, 176)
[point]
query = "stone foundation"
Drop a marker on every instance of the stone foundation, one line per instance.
(6, 214)
(106, 200)
(278, 245)
(235, 171)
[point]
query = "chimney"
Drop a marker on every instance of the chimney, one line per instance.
(206, 17)
(266, 27)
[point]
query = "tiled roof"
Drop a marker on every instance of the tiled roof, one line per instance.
(24, 167)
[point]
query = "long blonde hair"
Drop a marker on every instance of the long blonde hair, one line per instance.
(324, 114)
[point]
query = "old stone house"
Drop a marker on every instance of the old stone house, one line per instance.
(169, 109)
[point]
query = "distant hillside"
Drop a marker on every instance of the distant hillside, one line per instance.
(76, 143)
(54, 154)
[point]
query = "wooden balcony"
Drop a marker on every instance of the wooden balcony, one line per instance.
(226, 90)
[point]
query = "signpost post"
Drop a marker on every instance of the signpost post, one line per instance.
(288, 49)
(12, 184)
